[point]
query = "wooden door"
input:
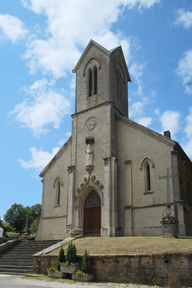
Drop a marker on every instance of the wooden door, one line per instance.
(92, 215)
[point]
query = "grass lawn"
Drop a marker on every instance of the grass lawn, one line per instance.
(130, 245)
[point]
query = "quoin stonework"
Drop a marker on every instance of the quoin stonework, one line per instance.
(110, 177)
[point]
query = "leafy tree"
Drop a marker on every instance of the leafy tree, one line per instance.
(16, 217)
(7, 227)
(33, 227)
(190, 83)
(35, 210)
(17, 214)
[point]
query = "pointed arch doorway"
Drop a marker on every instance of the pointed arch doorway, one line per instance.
(92, 215)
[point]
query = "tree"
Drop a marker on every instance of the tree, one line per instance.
(190, 83)
(7, 227)
(86, 263)
(33, 227)
(35, 211)
(71, 253)
(60, 258)
(16, 216)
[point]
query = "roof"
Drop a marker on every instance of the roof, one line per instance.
(147, 131)
(56, 157)
(175, 145)
(104, 50)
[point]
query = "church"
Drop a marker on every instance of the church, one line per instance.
(113, 177)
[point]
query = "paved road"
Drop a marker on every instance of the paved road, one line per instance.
(13, 281)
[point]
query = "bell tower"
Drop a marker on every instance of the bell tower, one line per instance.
(101, 93)
(102, 76)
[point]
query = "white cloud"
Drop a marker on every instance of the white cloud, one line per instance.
(184, 18)
(68, 134)
(188, 130)
(12, 27)
(45, 107)
(39, 158)
(62, 141)
(136, 70)
(145, 121)
(71, 24)
(137, 109)
(185, 70)
(156, 111)
(188, 148)
(170, 121)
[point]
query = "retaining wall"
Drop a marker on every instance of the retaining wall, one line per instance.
(169, 270)
(7, 245)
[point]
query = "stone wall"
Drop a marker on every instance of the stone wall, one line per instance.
(140, 210)
(185, 180)
(169, 270)
(53, 214)
(7, 245)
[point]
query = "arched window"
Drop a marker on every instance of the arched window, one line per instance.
(95, 80)
(58, 192)
(147, 178)
(119, 85)
(90, 82)
(92, 74)
(117, 81)
(146, 167)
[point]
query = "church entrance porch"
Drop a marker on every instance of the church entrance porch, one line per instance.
(92, 215)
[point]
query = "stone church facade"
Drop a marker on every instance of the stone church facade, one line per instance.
(112, 176)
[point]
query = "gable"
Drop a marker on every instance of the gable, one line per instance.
(86, 51)
(147, 131)
(63, 149)
(121, 63)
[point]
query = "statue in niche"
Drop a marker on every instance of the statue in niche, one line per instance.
(89, 155)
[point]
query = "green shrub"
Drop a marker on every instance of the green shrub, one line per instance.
(71, 253)
(86, 263)
(60, 258)
(66, 263)
(79, 272)
(51, 269)
(7, 228)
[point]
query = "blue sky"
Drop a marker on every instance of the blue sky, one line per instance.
(40, 43)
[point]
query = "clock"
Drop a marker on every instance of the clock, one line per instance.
(90, 123)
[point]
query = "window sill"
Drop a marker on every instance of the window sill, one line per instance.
(148, 192)
(58, 205)
(92, 95)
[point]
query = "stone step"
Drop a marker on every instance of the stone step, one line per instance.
(15, 271)
(19, 247)
(17, 267)
(23, 252)
(3, 260)
(15, 257)
(19, 258)
(16, 264)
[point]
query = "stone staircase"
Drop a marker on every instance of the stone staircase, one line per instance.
(18, 259)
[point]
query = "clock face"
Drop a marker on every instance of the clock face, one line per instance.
(90, 124)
